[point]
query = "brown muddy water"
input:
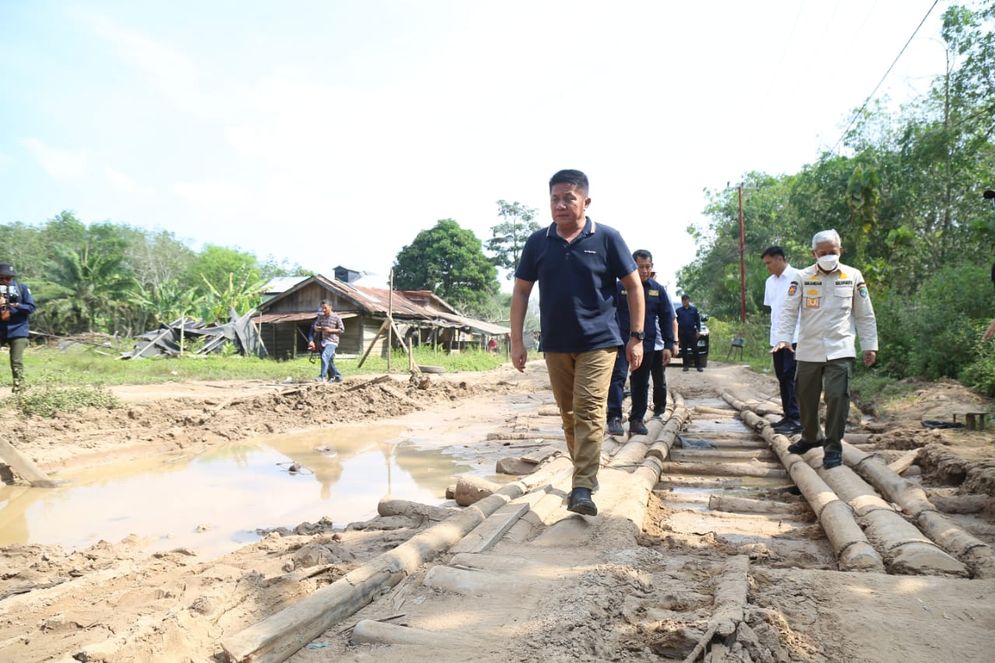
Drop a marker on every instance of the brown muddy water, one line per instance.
(215, 502)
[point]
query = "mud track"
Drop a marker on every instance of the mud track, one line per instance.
(684, 575)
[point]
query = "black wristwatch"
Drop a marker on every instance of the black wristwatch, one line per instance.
(638, 335)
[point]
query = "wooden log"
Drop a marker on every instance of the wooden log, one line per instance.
(730, 455)
(470, 489)
(513, 465)
(904, 462)
(525, 435)
(24, 467)
(280, 635)
(726, 469)
(913, 501)
(748, 505)
(722, 412)
(485, 535)
(724, 443)
(903, 547)
(370, 631)
(394, 507)
(963, 503)
(404, 398)
(730, 603)
(850, 546)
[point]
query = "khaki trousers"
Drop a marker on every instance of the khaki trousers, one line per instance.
(580, 385)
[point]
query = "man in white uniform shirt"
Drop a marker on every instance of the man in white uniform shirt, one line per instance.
(775, 292)
(830, 304)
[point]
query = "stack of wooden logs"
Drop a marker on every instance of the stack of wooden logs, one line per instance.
(866, 531)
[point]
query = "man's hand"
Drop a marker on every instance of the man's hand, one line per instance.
(310, 346)
(519, 355)
(666, 356)
(870, 357)
(782, 345)
(634, 353)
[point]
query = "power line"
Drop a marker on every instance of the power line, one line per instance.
(897, 57)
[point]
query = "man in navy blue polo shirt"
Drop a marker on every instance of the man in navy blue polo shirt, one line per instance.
(577, 263)
(658, 310)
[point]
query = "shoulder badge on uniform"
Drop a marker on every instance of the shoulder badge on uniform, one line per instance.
(792, 289)
(862, 289)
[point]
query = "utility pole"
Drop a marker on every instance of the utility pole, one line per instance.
(742, 258)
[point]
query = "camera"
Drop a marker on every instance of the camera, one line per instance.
(9, 293)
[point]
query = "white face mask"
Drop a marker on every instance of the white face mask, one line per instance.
(829, 263)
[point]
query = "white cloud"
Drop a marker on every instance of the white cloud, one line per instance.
(58, 163)
(122, 183)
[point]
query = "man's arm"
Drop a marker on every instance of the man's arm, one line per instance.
(665, 316)
(637, 317)
(789, 315)
(866, 323)
(519, 305)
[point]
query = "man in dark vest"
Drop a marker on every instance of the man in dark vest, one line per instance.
(16, 304)
(658, 315)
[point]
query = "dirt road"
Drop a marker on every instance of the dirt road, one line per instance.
(555, 587)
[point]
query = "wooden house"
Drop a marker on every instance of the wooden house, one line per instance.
(420, 315)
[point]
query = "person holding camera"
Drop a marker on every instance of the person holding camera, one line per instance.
(16, 304)
(324, 337)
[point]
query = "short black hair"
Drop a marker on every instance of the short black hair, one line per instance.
(687, 297)
(773, 252)
(642, 253)
(575, 177)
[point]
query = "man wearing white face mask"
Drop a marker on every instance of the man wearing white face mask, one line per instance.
(831, 302)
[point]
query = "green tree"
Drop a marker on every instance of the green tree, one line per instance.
(508, 237)
(86, 286)
(449, 261)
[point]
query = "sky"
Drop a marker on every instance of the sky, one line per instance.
(328, 133)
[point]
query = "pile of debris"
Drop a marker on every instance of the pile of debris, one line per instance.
(166, 340)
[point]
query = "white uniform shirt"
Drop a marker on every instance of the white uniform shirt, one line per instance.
(775, 292)
(830, 310)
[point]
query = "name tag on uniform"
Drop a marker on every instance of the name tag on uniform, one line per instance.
(654, 293)
(813, 302)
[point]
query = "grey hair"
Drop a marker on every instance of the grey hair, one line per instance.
(826, 236)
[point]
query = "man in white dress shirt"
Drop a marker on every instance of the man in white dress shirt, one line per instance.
(775, 292)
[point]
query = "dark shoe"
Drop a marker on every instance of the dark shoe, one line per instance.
(700, 369)
(637, 428)
(685, 369)
(780, 422)
(831, 459)
(615, 426)
(580, 502)
(337, 378)
(801, 446)
(659, 412)
(788, 428)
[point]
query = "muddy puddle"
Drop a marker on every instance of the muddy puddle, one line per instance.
(214, 502)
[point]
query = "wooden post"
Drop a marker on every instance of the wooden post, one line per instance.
(380, 332)
(183, 320)
(390, 317)
(24, 467)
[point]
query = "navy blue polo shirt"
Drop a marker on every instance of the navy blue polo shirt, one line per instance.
(657, 306)
(577, 279)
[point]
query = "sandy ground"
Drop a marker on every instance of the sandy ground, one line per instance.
(583, 589)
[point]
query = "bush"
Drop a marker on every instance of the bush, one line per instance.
(980, 374)
(47, 400)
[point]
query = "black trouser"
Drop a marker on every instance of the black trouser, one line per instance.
(784, 369)
(659, 373)
(689, 347)
(639, 381)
